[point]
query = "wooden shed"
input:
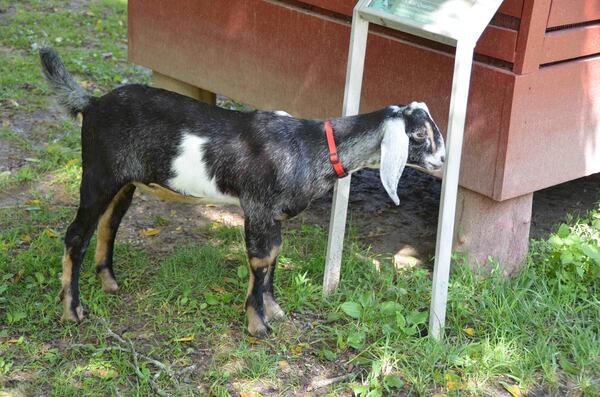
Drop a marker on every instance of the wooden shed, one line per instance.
(534, 106)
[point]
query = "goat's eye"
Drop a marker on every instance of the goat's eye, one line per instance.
(420, 135)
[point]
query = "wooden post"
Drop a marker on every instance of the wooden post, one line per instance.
(341, 192)
(160, 80)
(498, 229)
(530, 42)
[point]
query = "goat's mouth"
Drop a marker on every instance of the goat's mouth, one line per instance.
(431, 170)
(427, 166)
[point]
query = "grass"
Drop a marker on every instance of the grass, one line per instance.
(92, 42)
(536, 332)
(525, 331)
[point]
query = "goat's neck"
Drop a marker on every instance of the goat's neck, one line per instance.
(358, 139)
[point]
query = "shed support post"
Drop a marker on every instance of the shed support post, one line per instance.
(443, 249)
(498, 229)
(160, 80)
(341, 191)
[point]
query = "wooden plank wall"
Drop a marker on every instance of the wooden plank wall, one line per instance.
(295, 60)
(557, 30)
(527, 128)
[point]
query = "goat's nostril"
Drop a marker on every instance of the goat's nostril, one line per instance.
(443, 158)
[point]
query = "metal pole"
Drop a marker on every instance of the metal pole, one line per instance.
(443, 249)
(341, 191)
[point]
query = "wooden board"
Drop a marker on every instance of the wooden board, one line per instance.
(513, 8)
(555, 127)
(571, 43)
(499, 43)
(567, 12)
(343, 7)
(531, 35)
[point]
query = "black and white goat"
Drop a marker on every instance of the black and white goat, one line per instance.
(269, 163)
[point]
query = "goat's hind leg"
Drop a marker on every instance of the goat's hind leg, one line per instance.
(93, 202)
(107, 231)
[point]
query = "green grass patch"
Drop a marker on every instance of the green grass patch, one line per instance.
(530, 331)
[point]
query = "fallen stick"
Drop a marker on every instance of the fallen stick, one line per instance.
(319, 383)
(135, 355)
(136, 368)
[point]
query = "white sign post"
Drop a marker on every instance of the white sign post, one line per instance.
(454, 22)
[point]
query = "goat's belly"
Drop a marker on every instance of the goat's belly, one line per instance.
(170, 195)
(191, 178)
(202, 190)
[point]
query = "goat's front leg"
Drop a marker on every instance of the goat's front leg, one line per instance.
(273, 311)
(263, 242)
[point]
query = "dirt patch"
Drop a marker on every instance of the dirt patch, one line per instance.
(23, 126)
(6, 13)
(551, 206)
(11, 157)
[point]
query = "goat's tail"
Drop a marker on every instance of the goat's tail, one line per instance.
(70, 94)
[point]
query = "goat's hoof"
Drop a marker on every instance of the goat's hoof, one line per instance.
(70, 313)
(258, 331)
(75, 315)
(274, 313)
(257, 326)
(110, 286)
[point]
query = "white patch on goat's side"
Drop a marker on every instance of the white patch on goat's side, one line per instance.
(282, 113)
(191, 175)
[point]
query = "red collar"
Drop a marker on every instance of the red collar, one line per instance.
(333, 156)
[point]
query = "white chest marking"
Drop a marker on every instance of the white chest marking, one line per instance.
(191, 174)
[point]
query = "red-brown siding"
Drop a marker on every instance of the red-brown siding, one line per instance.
(527, 128)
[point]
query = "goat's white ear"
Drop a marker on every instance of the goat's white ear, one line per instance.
(394, 155)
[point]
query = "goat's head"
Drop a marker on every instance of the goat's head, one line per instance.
(410, 136)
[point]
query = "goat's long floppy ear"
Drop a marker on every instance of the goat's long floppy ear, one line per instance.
(394, 155)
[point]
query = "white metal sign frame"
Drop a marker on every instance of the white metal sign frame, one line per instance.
(455, 22)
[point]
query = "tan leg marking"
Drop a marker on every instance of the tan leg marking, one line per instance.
(271, 309)
(67, 275)
(259, 263)
(250, 283)
(430, 135)
(256, 326)
(103, 238)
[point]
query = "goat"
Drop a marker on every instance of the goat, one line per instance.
(269, 163)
